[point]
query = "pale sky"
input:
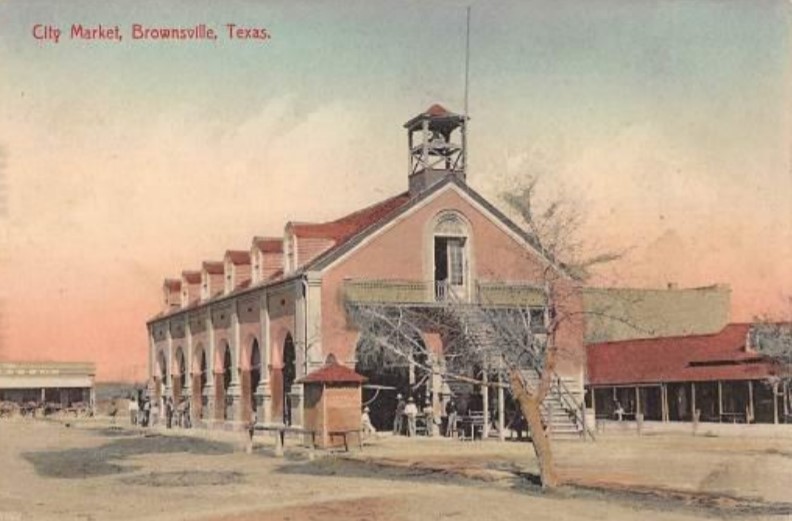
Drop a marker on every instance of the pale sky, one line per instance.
(667, 121)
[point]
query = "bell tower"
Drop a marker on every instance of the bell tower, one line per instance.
(436, 140)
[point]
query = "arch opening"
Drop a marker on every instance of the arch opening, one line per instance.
(390, 376)
(289, 374)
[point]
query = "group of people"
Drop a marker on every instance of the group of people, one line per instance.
(144, 411)
(408, 415)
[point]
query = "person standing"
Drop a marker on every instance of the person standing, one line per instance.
(154, 413)
(146, 413)
(187, 415)
(134, 408)
(113, 411)
(399, 415)
(168, 412)
(451, 413)
(428, 412)
(365, 423)
(411, 411)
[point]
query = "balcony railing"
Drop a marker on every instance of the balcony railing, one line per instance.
(489, 293)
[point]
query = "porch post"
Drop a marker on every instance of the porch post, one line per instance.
(501, 410)
(637, 402)
(775, 403)
(485, 399)
(720, 401)
(692, 399)
(664, 401)
(750, 411)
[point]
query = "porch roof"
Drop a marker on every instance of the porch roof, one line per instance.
(691, 358)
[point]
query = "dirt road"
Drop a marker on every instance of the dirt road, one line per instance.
(89, 471)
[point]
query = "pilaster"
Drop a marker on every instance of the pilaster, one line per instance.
(264, 391)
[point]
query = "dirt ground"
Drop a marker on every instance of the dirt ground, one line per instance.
(92, 471)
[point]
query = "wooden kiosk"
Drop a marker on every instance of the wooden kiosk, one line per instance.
(332, 404)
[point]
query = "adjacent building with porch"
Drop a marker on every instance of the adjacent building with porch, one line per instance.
(721, 375)
(62, 384)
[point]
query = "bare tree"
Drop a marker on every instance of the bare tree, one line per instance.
(772, 337)
(521, 341)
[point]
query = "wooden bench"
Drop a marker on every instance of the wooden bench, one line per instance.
(281, 431)
(474, 422)
(733, 417)
(345, 434)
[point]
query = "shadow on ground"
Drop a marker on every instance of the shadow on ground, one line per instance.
(105, 460)
(640, 498)
(183, 478)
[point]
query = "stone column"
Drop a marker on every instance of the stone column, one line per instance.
(234, 388)
(209, 390)
(301, 341)
(188, 356)
(313, 321)
(296, 396)
(150, 386)
(264, 391)
(167, 385)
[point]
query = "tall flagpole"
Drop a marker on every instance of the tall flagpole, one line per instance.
(467, 60)
(467, 82)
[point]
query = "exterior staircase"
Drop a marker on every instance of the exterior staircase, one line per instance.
(565, 393)
(562, 409)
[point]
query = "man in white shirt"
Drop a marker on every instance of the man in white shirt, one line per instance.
(133, 410)
(365, 423)
(411, 411)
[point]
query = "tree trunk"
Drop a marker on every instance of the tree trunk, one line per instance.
(531, 408)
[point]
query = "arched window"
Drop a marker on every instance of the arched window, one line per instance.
(451, 244)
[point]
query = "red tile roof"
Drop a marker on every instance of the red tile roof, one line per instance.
(213, 267)
(333, 372)
(343, 229)
(172, 284)
(437, 110)
(275, 276)
(268, 244)
(693, 358)
(238, 256)
(192, 277)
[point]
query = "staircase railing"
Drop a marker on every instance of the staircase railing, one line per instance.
(565, 396)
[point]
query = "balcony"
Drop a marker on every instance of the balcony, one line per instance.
(429, 293)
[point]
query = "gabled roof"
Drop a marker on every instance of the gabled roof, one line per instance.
(238, 257)
(213, 267)
(333, 372)
(341, 230)
(692, 358)
(436, 113)
(192, 277)
(377, 220)
(348, 232)
(268, 244)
